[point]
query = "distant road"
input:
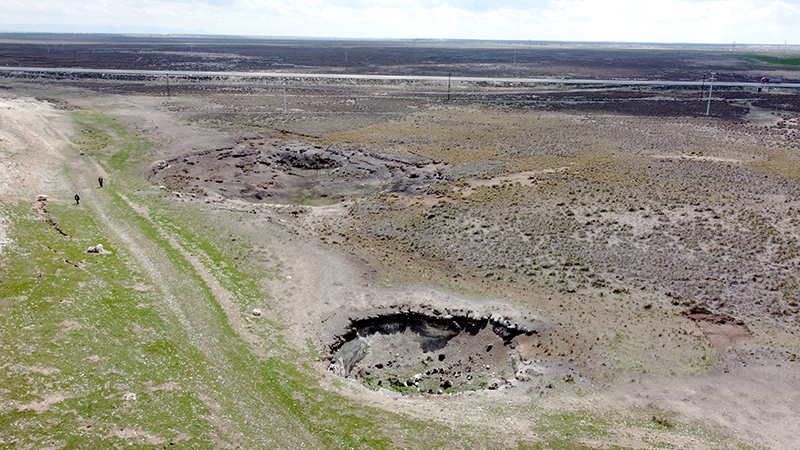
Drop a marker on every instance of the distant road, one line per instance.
(191, 74)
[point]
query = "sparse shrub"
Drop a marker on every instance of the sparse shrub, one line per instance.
(663, 421)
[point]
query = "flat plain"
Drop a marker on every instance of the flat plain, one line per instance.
(377, 263)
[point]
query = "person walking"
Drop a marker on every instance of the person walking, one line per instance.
(77, 199)
(100, 180)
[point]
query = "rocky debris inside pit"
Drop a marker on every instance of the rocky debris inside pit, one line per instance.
(291, 171)
(414, 352)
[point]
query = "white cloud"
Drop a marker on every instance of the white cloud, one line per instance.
(713, 21)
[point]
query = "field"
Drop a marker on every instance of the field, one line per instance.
(373, 263)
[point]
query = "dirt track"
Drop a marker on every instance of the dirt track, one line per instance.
(44, 136)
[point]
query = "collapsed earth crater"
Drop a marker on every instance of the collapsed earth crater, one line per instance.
(419, 352)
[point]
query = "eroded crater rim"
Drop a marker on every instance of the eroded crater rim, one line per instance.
(428, 351)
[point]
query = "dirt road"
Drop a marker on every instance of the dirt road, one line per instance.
(191, 296)
(329, 76)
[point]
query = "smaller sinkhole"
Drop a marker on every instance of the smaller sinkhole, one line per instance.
(418, 353)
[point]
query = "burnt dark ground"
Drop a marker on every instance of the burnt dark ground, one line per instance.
(459, 58)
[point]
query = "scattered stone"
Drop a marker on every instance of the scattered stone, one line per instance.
(129, 396)
(256, 312)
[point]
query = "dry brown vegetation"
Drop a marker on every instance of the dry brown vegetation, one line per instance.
(682, 206)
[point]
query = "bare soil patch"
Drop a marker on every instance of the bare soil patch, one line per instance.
(44, 404)
(721, 330)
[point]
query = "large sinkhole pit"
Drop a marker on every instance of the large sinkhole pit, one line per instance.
(414, 352)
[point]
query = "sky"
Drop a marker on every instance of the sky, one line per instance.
(657, 21)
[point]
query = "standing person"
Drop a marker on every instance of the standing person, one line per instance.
(100, 180)
(77, 199)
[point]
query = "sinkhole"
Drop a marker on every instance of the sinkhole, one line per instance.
(433, 354)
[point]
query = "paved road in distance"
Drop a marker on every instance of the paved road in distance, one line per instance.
(287, 75)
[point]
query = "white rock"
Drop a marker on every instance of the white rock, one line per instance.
(389, 393)
(256, 312)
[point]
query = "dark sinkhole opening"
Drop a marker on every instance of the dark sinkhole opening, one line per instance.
(419, 353)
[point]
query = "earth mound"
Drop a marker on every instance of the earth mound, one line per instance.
(281, 171)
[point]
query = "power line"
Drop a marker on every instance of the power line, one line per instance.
(710, 87)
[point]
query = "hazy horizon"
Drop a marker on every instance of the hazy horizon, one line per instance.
(722, 22)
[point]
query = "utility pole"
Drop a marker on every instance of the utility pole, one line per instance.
(703, 87)
(448, 87)
(710, 88)
(284, 97)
